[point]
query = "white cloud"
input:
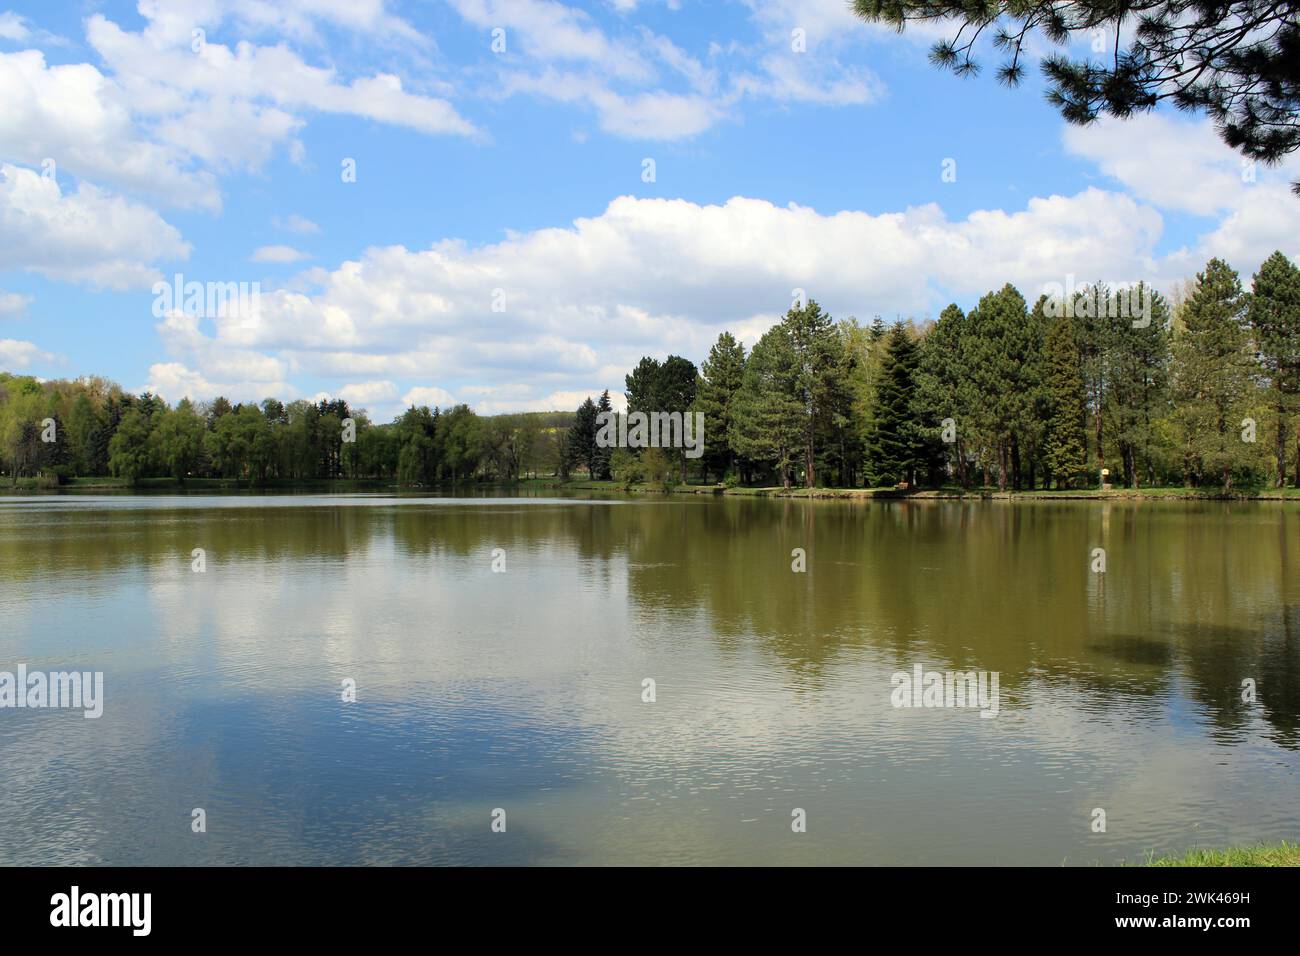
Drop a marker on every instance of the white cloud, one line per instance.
(295, 18)
(1174, 163)
(296, 223)
(164, 76)
(15, 354)
(278, 254)
(368, 393)
(429, 395)
(547, 31)
(1264, 219)
(494, 401)
(642, 85)
(13, 304)
(790, 78)
(162, 119)
(13, 27)
(646, 276)
(80, 120)
(87, 236)
(640, 115)
(1183, 165)
(174, 381)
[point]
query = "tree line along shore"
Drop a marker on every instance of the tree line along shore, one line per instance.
(1080, 394)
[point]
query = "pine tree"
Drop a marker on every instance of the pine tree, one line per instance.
(720, 378)
(583, 437)
(1137, 377)
(1274, 313)
(1065, 453)
(938, 381)
(812, 337)
(894, 439)
(600, 456)
(999, 380)
(768, 416)
(1212, 376)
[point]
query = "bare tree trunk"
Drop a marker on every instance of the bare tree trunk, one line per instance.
(1281, 443)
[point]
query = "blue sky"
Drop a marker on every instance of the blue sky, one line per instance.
(500, 244)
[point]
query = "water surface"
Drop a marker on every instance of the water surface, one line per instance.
(522, 690)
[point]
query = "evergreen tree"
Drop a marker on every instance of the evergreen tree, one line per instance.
(720, 378)
(643, 387)
(667, 386)
(1212, 376)
(843, 441)
(938, 388)
(600, 456)
(812, 337)
(1065, 453)
(1000, 379)
(894, 440)
(1274, 313)
(677, 378)
(583, 437)
(769, 417)
(1137, 377)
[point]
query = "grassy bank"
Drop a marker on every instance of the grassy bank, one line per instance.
(1189, 494)
(1280, 854)
(105, 483)
(578, 484)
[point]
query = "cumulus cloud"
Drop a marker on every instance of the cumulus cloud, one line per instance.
(165, 114)
(174, 381)
(545, 315)
(278, 254)
(79, 119)
(16, 354)
(429, 395)
(296, 223)
(13, 304)
(1173, 162)
(1182, 165)
(368, 393)
(87, 236)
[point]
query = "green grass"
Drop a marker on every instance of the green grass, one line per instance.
(1279, 854)
(694, 486)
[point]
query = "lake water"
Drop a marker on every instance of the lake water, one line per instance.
(522, 689)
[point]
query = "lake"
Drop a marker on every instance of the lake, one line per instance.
(500, 647)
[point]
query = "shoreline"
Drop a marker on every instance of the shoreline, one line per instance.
(31, 485)
(938, 494)
(1284, 853)
(328, 485)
